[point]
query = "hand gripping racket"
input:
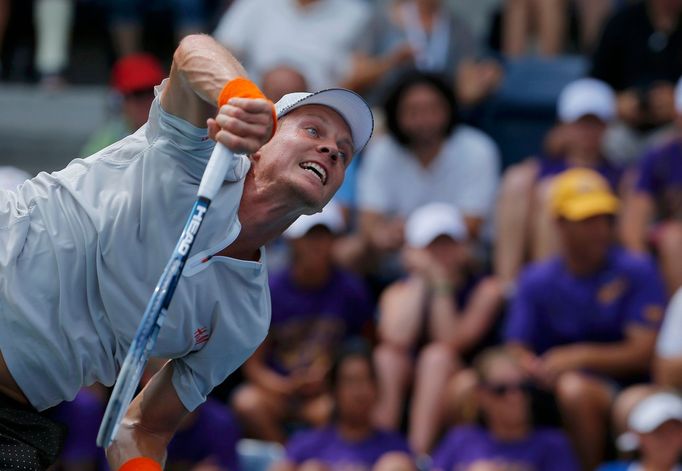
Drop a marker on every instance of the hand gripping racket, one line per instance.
(154, 315)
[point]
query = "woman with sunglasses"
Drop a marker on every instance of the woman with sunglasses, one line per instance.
(507, 438)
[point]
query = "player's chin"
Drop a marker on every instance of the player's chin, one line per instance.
(313, 195)
(312, 200)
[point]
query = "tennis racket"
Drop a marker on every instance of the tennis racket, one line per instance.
(155, 313)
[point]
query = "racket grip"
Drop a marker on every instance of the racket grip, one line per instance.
(215, 171)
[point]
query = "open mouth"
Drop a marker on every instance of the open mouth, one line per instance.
(316, 169)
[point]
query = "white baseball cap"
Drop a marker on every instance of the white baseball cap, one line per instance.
(351, 106)
(330, 217)
(653, 411)
(678, 96)
(586, 96)
(432, 220)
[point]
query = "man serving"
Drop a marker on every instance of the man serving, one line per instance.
(81, 250)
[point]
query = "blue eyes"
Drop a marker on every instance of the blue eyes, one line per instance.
(312, 131)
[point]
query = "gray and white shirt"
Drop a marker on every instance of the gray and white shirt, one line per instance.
(82, 249)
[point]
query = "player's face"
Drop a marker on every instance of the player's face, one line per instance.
(308, 156)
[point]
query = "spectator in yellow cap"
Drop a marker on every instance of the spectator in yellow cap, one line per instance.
(586, 320)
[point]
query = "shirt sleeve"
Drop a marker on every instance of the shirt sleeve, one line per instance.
(240, 323)
(648, 298)
(187, 144)
(669, 342)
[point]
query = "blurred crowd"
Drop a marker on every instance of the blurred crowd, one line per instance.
(498, 284)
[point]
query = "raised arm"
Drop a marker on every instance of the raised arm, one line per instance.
(201, 68)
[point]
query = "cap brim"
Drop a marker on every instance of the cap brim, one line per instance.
(588, 206)
(351, 106)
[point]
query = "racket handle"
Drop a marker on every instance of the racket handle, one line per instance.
(215, 171)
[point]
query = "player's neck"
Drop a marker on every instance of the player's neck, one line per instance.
(263, 217)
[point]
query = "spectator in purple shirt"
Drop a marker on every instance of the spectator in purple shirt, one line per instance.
(508, 440)
(350, 442)
(431, 322)
(315, 306)
(652, 215)
(586, 319)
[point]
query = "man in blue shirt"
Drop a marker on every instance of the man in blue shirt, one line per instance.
(586, 320)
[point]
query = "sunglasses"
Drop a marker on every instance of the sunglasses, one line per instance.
(502, 389)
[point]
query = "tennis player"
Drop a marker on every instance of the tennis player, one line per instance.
(81, 250)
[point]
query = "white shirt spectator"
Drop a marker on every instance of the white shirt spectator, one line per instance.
(316, 39)
(464, 174)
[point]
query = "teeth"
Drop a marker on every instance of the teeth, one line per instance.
(316, 169)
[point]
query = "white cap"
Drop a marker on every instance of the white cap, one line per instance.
(678, 96)
(12, 177)
(351, 106)
(649, 414)
(428, 222)
(584, 97)
(652, 411)
(330, 217)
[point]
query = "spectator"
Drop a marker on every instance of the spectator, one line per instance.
(439, 307)
(587, 319)
(315, 306)
(549, 19)
(427, 35)
(508, 440)
(652, 217)
(316, 37)
(655, 424)
(426, 156)
(350, 441)
(523, 218)
(133, 79)
(127, 18)
(638, 55)
(668, 360)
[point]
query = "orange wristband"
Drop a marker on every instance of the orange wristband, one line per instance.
(241, 87)
(141, 464)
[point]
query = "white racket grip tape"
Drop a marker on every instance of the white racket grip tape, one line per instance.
(215, 171)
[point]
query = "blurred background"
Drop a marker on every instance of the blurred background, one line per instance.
(495, 287)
